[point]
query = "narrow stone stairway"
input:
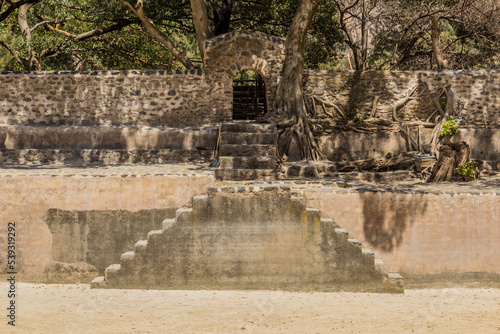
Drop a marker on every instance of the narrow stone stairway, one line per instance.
(254, 237)
(247, 151)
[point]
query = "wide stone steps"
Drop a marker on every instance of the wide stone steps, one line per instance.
(219, 232)
(99, 156)
(105, 145)
(247, 151)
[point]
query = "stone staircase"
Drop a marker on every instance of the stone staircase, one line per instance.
(255, 237)
(247, 151)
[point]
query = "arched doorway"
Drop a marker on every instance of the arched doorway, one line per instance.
(249, 96)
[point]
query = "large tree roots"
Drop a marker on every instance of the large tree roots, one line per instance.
(299, 131)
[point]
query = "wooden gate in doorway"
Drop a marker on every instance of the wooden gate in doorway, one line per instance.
(249, 98)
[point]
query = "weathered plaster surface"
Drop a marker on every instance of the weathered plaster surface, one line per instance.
(27, 200)
(420, 233)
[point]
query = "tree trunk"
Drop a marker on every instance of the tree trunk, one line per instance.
(364, 36)
(22, 18)
(436, 47)
(201, 24)
(451, 156)
(289, 102)
(222, 15)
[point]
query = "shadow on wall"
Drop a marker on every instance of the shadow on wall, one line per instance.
(387, 216)
(99, 237)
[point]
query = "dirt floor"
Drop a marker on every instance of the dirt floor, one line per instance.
(78, 309)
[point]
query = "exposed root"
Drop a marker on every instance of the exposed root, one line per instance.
(401, 161)
(301, 132)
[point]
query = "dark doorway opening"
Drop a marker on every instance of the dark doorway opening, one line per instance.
(249, 96)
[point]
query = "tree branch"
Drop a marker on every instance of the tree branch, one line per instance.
(15, 55)
(157, 34)
(13, 6)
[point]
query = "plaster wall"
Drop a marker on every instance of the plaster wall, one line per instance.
(420, 233)
(27, 200)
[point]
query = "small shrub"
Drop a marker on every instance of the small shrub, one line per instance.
(467, 169)
(357, 118)
(449, 128)
(442, 101)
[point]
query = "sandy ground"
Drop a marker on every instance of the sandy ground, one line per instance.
(78, 309)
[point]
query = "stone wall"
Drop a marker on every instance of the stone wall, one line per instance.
(196, 97)
(125, 98)
(117, 108)
(227, 55)
(477, 93)
(350, 145)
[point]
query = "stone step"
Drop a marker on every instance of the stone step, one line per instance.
(106, 137)
(245, 174)
(368, 252)
(140, 247)
(263, 162)
(248, 138)
(247, 150)
(313, 214)
(127, 259)
(127, 256)
(99, 156)
(153, 237)
(183, 215)
(355, 242)
(112, 271)
(342, 232)
(394, 283)
(98, 283)
(328, 221)
(248, 127)
(167, 223)
(380, 267)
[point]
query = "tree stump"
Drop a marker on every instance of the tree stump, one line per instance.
(451, 155)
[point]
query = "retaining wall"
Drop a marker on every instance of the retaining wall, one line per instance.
(59, 217)
(420, 232)
(50, 248)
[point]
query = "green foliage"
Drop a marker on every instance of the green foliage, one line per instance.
(449, 128)
(467, 169)
(442, 102)
(399, 34)
(7, 61)
(357, 118)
